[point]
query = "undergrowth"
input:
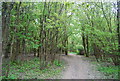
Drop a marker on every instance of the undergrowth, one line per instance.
(110, 71)
(31, 70)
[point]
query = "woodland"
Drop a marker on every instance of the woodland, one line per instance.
(41, 32)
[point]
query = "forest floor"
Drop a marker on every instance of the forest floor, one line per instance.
(72, 66)
(29, 68)
(79, 67)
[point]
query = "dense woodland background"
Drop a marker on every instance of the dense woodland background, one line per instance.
(49, 29)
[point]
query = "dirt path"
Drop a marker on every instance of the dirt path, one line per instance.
(79, 68)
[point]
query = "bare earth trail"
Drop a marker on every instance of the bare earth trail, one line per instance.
(79, 68)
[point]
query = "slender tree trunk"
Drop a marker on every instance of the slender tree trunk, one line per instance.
(87, 54)
(84, 43)
(118, 24)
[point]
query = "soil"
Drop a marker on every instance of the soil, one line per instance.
(79, 67)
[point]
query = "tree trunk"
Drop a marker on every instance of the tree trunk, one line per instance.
(118, 24)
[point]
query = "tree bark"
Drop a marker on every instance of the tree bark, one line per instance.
(118, 24)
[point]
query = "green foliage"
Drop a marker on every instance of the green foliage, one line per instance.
(95, 22)
(72, 52)
(79, 47)
(51, 25)
(30, 69)
(111, 71)
(57, 63)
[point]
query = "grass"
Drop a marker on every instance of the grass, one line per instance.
(31, 69)
(111, 71)
(72, 53)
